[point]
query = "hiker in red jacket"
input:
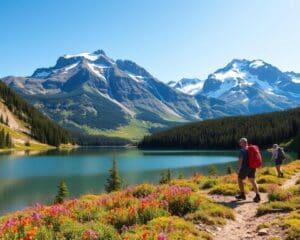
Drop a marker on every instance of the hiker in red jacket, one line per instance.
(245, 171)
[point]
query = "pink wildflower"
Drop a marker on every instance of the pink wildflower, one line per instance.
(162, 236)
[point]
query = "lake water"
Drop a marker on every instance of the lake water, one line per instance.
(29, 178)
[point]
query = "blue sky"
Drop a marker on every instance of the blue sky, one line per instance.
(170, 38)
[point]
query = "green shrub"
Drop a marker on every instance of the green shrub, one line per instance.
(150, 212)
(103, 231)
(72, 230)
(171, 228)
(211, 213)
(209, 183)
(44, 233)
(181, 205)
(291, 222)
(269, 179)
(143, 190)
(119, 217)
(185, 183)
(276, 206)
(87, 213)
(227, 189)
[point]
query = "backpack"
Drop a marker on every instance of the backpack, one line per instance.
(254, 157)
(280, 155)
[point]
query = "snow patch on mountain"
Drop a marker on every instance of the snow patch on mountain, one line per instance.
(257, 63)
(187, 85)
(89, 56)
(66, 69)
(42, 74)
(192, 89)
(233, 73)
(97, 70)
(296, 80)
(135, 77)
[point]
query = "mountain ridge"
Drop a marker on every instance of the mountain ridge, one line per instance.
(253, 86)
(114, 95)
(95, 94)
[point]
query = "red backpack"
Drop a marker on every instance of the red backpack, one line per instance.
(254, 157)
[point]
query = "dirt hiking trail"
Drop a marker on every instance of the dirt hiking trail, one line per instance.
(246, 223)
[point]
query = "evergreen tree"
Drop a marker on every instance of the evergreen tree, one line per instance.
(6, 121)
(2, 138)
(27, 143)
(229, 169)
(165, 177)
(63, 192)
(223, 133)
(8, 141)
(1, 119)
(114, 181)
(296, 145)
(212, 170)
(5, 139)
(169, 176)
(180, 176)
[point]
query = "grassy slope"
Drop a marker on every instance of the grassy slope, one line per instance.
(135, 130)
(19, 138)
(180, 209)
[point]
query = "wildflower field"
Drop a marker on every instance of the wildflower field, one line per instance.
(147, 211)
(138, 212)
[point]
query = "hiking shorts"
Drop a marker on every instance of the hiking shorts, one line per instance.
(278, 162)
(247, 172)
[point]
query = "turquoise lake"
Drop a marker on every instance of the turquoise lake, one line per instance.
(26, 179)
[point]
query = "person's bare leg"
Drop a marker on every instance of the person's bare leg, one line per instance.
(278, 170)
(241, 185)
(254, 185)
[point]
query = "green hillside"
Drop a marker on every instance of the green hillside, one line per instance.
(223, 133)
(27, 126)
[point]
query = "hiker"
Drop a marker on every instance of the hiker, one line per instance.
(278, 155)
(245, 171)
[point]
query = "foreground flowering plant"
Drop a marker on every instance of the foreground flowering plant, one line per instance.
(117, 214)
(146, 211)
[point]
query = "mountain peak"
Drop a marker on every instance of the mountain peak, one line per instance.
(237, 63)
(187, 85)
(90, 56)
(257, 63)
(132, 67)
(99, 52)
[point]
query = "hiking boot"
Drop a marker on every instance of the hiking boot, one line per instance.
(281, 175)
(257, 198)
(241, 196)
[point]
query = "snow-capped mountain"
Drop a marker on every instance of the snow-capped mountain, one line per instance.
(93, 93)
(187, 85)
(294, 76)
(251, 86)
